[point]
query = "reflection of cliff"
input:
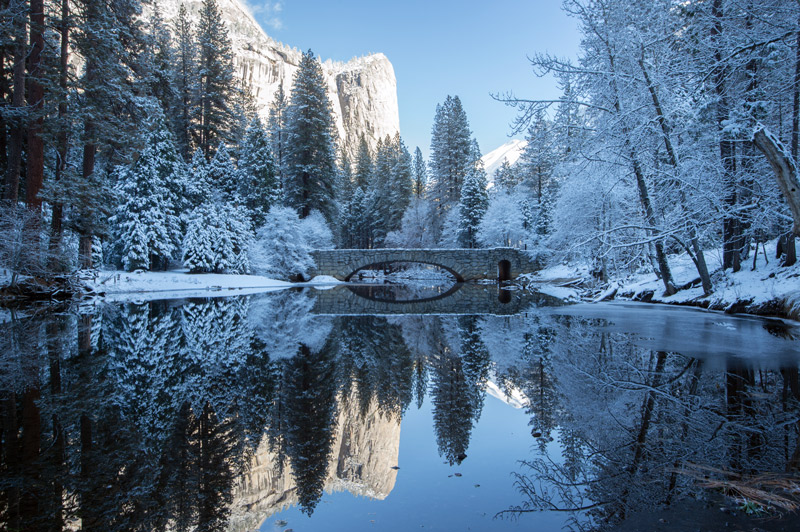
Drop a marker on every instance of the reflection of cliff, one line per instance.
(364, 450)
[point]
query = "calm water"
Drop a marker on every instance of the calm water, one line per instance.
(348, 410)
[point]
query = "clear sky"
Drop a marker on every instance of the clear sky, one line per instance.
(437, 47)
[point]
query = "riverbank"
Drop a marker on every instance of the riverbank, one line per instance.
(145, 286)
(761, 288)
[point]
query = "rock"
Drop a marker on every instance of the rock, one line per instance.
(362, 91)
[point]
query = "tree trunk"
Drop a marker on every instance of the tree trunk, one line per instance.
(17, 129)
(56, 228)
(699, 258)
(727, 151)
(785, 170)
(35, 165)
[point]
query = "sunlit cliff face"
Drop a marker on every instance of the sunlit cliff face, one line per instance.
(365, 450)
(362, 92)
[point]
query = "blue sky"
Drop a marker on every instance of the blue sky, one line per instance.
(437, 47)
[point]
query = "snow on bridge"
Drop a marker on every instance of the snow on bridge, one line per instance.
(465, 264)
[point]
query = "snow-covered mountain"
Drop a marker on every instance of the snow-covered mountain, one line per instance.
(511, 151)
(363, 91)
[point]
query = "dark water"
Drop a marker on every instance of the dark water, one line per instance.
(295, 410)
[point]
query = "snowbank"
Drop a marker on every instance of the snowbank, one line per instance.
(139, 285)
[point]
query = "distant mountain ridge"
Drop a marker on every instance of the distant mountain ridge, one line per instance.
(363, 91)
(511, 151)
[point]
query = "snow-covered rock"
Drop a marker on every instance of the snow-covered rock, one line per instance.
(363, 91)
(511, 151)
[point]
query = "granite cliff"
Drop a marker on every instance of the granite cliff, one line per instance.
(365, 449)
(363, 91)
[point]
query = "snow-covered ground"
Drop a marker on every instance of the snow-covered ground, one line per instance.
(751, 290)
(140, 285)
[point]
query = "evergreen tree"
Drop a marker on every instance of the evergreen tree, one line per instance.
(311, 158)
(259, 187)
(183, 112)
(216, 82)
(223, 176)
(474, 202)
(420, 175)
(364, 170)
(505, 177)
(278, 136)
(147, 221)
(159, 61)
(108, 38)
(451, 156)
(217, 239)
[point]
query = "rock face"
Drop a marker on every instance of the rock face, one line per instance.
(365, 448)
(363, 91)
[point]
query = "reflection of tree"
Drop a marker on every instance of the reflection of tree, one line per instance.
(632, 420)
(457, 391)
(373, 356)
(310, 419)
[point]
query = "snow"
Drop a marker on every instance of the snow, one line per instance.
(560, 292)
(324, 282)
(511, 151)
(515, 399)
(117, 285)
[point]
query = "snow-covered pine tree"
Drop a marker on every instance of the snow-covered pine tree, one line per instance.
(159, 60)
(107, 36)
(473, 203)
(259, 187)
(276, 126)
(216, 80)
(450, 158)
(364, 165)
(223, 176)
(505, 177)
(217, 239)
(311, 158)
(147, 225)
(198, 185)
(183, 111)
(420, 175)
(402, 182)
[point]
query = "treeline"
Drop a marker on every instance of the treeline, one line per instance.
(131, 142)
(650, 149)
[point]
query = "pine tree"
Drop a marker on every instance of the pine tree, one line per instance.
(108, 38)
(278, 136)
(420, 175)
(505, 177)
(311, 158)
(474, 202)
(147, 221)
(159, 61)
(450, 152)
(364, 165)
(223, 176)
(215, 70)
(183, 111)
(259, 187)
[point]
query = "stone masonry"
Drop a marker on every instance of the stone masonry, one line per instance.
(465, 264)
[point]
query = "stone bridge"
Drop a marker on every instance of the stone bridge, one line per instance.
(365, 300)
(502, 264)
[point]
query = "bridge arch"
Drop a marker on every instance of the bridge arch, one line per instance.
(448, 269)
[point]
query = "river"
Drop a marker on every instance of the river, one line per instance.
(347, 409)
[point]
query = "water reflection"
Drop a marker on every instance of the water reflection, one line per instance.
(212, 414)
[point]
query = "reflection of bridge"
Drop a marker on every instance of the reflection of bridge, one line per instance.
(466, 299)
(465, 264)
